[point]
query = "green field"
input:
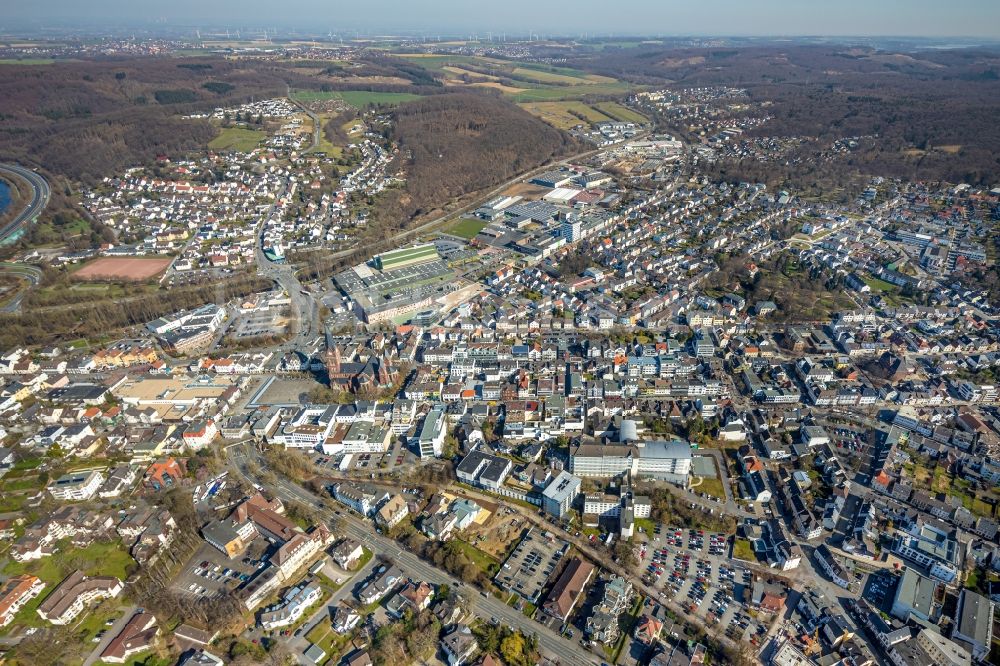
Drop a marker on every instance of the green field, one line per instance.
(108, 558)
(238, 139)
(99, 558)
(569, 92)
(570, 113)
(620, 112)
(328, 640)
(548, 77)
(537, 81)
(466, 228)
(26, 61)
(484, 561)
(711, 487)
(356, 98)
(742, 550)
(439, 62)
(878, 285)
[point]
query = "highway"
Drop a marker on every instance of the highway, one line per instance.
(32, 274)
(39, 198)
(549, 641)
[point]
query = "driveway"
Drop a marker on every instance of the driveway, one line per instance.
(110, 634)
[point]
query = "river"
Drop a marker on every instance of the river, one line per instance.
(4, 196)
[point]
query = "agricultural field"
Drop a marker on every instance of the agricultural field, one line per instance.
(549, 77)
(543, 93)
(523, 82)
(356, 98)
(26, 61)
(565, 115)
(620, 112)
(238, 139)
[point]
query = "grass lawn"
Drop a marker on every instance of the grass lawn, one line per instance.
(324, 146)
(94, 622)
(712, 487)
(149, 658)
(921, 476)
(366, 557)
(328, 640)
(941, 482)
(486, 562)
(27, 482)
(238, 139)
(742, 550)
(439, 62)
(646, 524)
(528, 608)
(878, 285)
(99, 558)
(466, 228)
(11, 502)
(96, 559)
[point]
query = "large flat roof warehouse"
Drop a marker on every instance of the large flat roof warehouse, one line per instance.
(173, 397)
(406, 256)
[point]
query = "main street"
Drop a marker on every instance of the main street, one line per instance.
(549, 641)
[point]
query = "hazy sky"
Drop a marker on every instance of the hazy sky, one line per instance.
(934, 18)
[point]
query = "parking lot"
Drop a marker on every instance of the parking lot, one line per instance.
(210, 574)
(260, 323)
(397, 455)
(693, 569)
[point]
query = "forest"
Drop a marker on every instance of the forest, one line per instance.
(460, 143)
(89, 119)
(933, 112)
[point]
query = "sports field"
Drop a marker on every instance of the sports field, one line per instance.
(131, 269)
(466, 228)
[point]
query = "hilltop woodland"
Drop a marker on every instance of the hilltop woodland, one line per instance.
(452, 146)
(90, 119)
(460, 143)
(931, 114)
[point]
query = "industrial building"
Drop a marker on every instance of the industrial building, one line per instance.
(408, 256)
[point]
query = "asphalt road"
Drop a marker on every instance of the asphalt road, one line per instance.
(549, 641)
(110, 635)
(32, 274)
(39, 198)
